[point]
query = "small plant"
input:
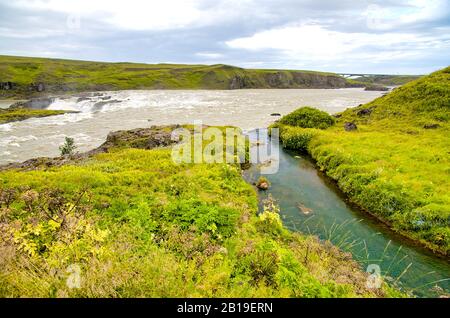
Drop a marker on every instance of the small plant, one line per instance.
(68, 147)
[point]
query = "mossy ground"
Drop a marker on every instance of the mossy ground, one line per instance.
(9, 115)
(138, 225)
(396, 164)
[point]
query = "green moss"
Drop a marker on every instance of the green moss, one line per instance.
(392, 165)
(9, 115)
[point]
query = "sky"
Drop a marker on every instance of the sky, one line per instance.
(376, 37)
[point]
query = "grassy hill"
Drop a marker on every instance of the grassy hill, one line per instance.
(387, 80)
(65, 76)
(133, 223)
(395, 164)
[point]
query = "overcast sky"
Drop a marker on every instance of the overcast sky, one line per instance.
(391, 37)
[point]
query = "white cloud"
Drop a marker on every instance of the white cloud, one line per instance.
(146, 14)
(314, 42)
(412, 12)
(130, 14)
(209, 55)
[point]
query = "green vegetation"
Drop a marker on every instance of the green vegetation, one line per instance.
(68, 147)
(69, 76)
(17, 114)
(396, 163)
(307, 117)
(133, 223)
(387, 80)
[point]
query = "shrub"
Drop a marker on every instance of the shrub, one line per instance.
(307, 117)
(68, 147)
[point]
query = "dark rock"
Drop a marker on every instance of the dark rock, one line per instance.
(40, 87)
(7, 86)
(431, 126)
(350, 126)
(275, 114)
(80, 99)
(337, 115)
(364, 112)
(99, 105)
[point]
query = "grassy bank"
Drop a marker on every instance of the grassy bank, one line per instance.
(133, 224)
(69, 76)
(396, 163)
(10, 115)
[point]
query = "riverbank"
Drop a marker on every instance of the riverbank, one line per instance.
(390, 157)
(132, 223)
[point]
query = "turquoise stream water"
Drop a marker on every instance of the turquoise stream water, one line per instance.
(299, 183)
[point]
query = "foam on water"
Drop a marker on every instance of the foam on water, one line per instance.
(102, 112)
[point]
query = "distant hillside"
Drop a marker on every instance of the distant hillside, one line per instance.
(387, 80)
(24, 76)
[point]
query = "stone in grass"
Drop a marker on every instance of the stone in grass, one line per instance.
(263, 183)
(364, 112)
(350, 126)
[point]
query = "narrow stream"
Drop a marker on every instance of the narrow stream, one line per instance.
(298, 182)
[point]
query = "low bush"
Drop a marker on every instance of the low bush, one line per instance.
(308, 117)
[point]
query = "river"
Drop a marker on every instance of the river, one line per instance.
(111, 111)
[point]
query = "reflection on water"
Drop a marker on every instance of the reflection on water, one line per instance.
(103, 112)
(298, 185)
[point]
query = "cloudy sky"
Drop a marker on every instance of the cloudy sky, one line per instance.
(390, 37)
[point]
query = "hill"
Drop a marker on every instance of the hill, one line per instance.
(27, 77)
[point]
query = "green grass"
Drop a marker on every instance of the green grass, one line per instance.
(387, 80)
(138, 225)
(9, 115)
(392, 165)
(69, 76)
